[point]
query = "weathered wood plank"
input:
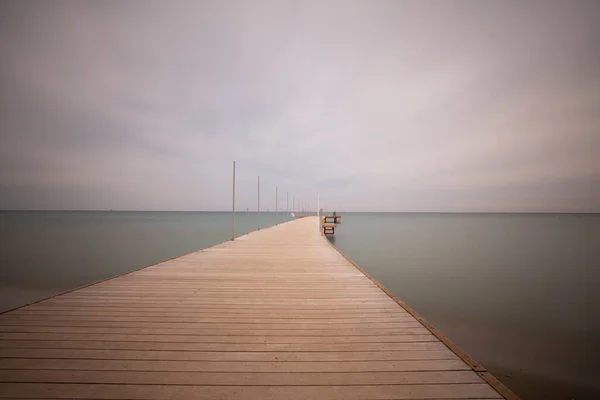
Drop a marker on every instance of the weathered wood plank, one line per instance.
(232, 345)
(216, 332)
(241, 378)
(241, 317)
(182, 341)
(169, 355)
(159, 392)
(195, 326)
(233, 366)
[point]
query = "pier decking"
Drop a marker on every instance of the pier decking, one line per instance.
(276, 314)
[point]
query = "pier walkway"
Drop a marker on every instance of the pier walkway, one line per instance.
(275, 314)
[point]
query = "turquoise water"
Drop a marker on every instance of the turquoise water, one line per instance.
(518, 292)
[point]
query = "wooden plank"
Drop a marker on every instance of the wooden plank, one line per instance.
(271, 308)
(241, 378)
(364, 294)
(131, 316)
(195, 326)
(177, 341)
(236, 343)
(215, 332)
(68, 302)
(195, 287)
(233, 366)
(170, 355)
(291, 291)
(288, 311)
(330, 392)
(224, 343)
(234, 302)
(166, 319)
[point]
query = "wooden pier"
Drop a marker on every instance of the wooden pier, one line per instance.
(276, 314)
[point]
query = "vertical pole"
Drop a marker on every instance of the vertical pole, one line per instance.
(258, 203)
(287, 203)
(233, 207)
(318, 209)
(276, 214)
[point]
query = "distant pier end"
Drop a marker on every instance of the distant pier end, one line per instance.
(329, 222)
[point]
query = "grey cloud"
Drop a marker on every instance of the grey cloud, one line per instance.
(386, 105)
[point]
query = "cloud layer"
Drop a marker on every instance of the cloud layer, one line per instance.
(381, 106)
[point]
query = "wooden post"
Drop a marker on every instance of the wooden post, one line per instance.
(258, 203)
(233, 207)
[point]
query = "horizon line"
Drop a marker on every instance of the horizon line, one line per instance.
(311, 212)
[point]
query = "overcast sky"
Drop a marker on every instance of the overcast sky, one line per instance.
(380, 105)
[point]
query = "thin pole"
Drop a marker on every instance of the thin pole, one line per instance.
(287, 202)
(233, 207)
(276, 214)
(319, 209)
(258, 203)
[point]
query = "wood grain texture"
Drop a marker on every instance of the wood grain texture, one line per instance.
(270, 392)
(274, 314)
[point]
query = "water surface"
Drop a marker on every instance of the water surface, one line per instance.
(518, 292)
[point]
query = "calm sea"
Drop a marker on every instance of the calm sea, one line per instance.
(518, 292)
